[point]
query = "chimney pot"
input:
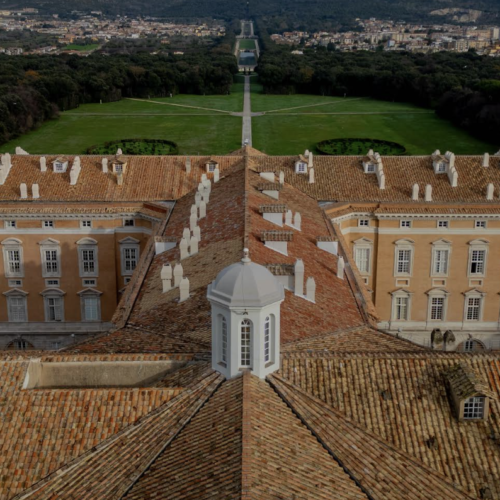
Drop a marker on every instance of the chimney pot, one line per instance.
(166, 277)
(197, 198)
(193, 245)
(24, 191)
(216, 175)
(183, 290)
(297, 221)
(186, 233)
(178, 273)
(311, 289)
(193, 221)
(288, 218)
(490, 191)
(311, 175)
(414, 193)
(197, 233)
(36, 191)
(299, 278)
(104, 165)
(43, 164)
(486, 160)
(194, 209)
(203, 209)
(183, 248)
(340, 268)
(428, 192)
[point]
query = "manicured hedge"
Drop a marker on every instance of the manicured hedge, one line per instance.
(357, 147)
(136, 147)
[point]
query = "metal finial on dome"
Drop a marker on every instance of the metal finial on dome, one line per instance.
(246, 256)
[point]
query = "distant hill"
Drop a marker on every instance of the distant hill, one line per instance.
(292, 12)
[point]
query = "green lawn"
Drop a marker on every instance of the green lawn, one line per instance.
(82, 48)
(73, 134)
(247, 44)
(421, 134)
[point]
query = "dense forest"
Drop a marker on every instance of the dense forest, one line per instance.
(35, 88)
(462, 87)
(290, 14)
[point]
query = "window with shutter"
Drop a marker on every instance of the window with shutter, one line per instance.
(362, 258)
(17, 309)
(91, 308)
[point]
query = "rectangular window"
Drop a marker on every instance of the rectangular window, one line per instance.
(48, 223)
(130, 259)
(91, 308)
(54, 309)
(224, 341)
(405, 223)
(363, 222)
(15, 283)
(401, 312)
(128, 222)
(86, 223)
(477, 261)
(51, 283)
(88, 261)
(89, 282)
(10, 224)
(370, 168)
(473, 308)
(441, 261)
(245, 343)
(474, 408)
(362, 258)
(441, 168)
(14, 262)
(404, 261)
(51, 262)
(480, 224)
(437, 308)
(17, 309)
(444, 224)
(267, 340)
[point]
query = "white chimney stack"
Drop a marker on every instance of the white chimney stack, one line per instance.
(205, 195)
(197, 198)
(24, 191)
(282, 177)
(203, 209)
(486, 160)
(166, 277)
(188, 164)
(197, 233)
(194, 209)
(310, 160)
(311, 176)
(193, 245)
(311, 289)
(43, 164)
(178, 272)
(381, 180)
(428, 192)
(183, 248)
(184, 290)
(288, 218)
(414, 193)
(299, 278)
(490, 191)
(104, 165)
(119, 178)
(193, 221)
(340, 268)
(36, 191)
(203, 178)
(186, 233)
(216, 175)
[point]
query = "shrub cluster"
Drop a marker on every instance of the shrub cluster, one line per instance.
(136, 147)
(358, 147)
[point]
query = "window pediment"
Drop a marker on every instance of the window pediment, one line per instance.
(53, 291)
(49, 241)
(442, 242)
(404, 241)
(86, 241)
(479, 242)
(129, 240)
(14, 292)
(437, 291)
(401, 291)
(363, 241)
(474, 291)
(12, 241)
(89, 291)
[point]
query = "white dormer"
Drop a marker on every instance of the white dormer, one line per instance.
(245, 299)
(372, 162)
(60, 165)
(119, 165)
(211, 166)
(301, 165)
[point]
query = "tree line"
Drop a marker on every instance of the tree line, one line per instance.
(464, 88)
(35, 88)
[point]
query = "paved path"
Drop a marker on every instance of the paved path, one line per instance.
(246, 133)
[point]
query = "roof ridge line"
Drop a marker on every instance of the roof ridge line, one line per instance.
(208, 383)
(275, 380)
(246, 430)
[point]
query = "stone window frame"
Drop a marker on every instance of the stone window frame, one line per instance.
(129, 243)
(474, 294)
(400, 245)
(439, 293)
(224, 340)
(246, 322)
(16, 293)
(48, 224)
(443, 224)
(50, 244)
(86, 224)
(440, 245)
(363, 244)
(301, 167)
(363, 222)
(88, 244)
(477, 408)
(405, 224)
(480, 224)
(92, 293)
(10, 224)
(401, 293)
(12, 245)
(53, 293)
(477, 245)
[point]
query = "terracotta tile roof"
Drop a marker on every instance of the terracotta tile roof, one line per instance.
(283, 459)
(381, 470)
(41, 430)
(204, 461)
(335, 177)
(146, 178)
(110, 469)
(402, 399)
